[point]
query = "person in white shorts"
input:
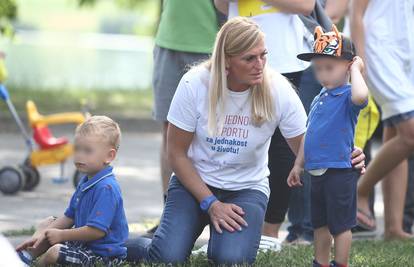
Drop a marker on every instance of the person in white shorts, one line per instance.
(382, 33)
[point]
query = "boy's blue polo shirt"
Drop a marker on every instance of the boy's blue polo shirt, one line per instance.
(97, 202)
(329, 139)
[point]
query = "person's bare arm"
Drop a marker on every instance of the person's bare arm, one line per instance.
(297, 170)
(84, 233)
(359, 89)
(304, 7)
(357, 12)
(225, 215)
(222, 6)
(178, 142)
(336, 9)
(295, 143)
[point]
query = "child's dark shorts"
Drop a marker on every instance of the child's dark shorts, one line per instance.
(333, 200)
(76, 253)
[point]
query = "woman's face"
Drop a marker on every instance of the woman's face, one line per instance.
(246, 69)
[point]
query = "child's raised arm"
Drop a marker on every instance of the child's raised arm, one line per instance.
(359, 89)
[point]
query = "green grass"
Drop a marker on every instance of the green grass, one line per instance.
(129, 103)
(364, 254)
(22, 232)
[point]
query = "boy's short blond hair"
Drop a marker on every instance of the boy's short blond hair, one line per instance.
(102, 126)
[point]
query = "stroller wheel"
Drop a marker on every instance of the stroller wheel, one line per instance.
(32, 176)
(77, 176)
(11, 180)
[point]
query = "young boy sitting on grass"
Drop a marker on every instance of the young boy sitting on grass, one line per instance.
(93, 227)
(328, 144)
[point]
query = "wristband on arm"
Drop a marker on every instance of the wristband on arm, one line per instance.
(205, 204)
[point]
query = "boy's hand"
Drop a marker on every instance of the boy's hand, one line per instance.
(30, 243)
(294, 176)
(358, 64)
(54, 236)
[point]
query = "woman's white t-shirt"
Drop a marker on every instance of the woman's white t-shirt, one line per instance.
(237, 157)
(285, 33)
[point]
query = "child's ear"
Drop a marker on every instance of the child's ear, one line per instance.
(111, 156)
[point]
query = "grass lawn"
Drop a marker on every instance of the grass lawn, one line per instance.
(364, 254)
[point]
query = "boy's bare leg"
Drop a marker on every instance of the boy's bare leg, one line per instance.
(342, 243)
(51, 256)
(322, 243)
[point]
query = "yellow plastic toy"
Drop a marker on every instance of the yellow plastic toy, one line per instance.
(43, 147)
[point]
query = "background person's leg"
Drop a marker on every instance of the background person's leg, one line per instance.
(181, 224)
(165, 167)
(281, 160)
(390, 155)
(239, 247)
(392, 184)
(409, 199)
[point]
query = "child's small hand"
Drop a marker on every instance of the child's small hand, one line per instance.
(358, 64)
(294, 176)
(54, 236)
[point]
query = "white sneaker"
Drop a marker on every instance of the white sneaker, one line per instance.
(270, 243)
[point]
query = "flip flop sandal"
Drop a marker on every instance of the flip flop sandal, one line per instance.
(368, 217)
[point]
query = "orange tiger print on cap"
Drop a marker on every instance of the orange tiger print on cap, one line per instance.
(328, 43)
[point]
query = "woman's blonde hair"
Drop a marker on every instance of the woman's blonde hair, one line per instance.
(237, 35)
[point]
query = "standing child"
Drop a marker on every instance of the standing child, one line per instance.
(93, 227)
(328, 143)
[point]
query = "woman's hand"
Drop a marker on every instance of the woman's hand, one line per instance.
(294, 176)
(358, 159)
(226, 215)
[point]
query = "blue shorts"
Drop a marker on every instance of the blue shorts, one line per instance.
(333, 200)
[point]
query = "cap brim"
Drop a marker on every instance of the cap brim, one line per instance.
(309, 56)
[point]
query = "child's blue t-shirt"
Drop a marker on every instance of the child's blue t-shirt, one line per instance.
(329, 139)
(97, 202)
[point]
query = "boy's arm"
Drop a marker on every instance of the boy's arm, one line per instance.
(84, 233)
(359, 89)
